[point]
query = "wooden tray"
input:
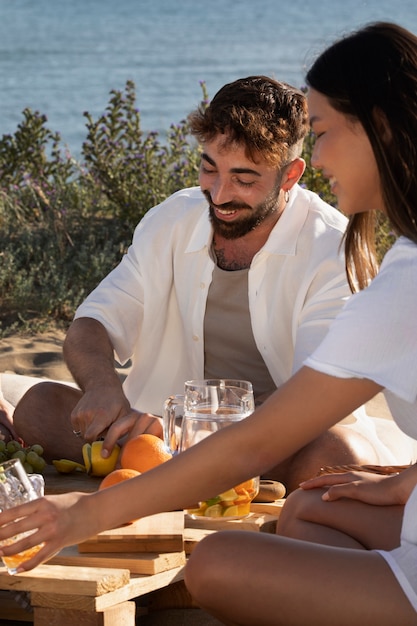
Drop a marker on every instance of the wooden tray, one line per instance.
(136, 562)
(159, 533)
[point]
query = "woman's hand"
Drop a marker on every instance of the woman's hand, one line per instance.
(377, 489)
(54, 518)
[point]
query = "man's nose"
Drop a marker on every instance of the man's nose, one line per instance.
(220, 191)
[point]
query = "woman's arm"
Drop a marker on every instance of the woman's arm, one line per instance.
(295, 414)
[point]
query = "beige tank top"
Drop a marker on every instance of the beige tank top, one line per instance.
(230, 348)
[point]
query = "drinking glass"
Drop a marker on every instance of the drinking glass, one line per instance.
(16, 487)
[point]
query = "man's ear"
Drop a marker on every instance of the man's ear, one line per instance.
(293, 173)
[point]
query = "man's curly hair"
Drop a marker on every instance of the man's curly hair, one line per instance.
(269, 117)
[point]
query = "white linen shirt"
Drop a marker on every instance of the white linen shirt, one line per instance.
(153, 303)
(375, 335)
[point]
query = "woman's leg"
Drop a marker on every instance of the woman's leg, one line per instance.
(260, 579)
(344, 523)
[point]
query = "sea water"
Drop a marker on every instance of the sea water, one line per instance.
(62, 57)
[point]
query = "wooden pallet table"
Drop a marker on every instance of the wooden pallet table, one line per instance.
(95, 583)
(85, 595)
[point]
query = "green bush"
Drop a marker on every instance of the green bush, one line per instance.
(65, 224)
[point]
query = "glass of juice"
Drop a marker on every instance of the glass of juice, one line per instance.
(16, 487)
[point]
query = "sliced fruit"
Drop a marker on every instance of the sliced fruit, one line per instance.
(243, 498)
(244, 509)
(231, 511)
(216, 510)
(65, 466)
(248, 485)
(95, 464)
(198, 512)
(228, 496)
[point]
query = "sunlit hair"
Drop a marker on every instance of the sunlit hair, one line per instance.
(371, 76)
(266, 116)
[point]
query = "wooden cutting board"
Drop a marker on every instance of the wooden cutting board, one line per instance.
(64, 483)
(159, 533)
(137, 562)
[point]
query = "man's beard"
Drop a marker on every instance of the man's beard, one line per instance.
(240, 227)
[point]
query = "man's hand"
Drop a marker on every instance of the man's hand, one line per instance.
(97, 410)
(131, 425)
(103, 410)
(106, 412)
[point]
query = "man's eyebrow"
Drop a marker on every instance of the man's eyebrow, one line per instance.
(233, 170)
(314, 119)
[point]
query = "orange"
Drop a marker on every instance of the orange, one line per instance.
(117, 476)
(143, 452)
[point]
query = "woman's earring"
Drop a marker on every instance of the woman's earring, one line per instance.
(286, 196)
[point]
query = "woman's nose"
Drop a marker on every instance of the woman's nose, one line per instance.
(315, 157)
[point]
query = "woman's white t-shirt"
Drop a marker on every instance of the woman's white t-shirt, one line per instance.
(375, 337)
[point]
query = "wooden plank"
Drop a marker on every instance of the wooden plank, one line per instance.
(139, 585)
(175, 596)
(10, 609)
(68, 580)
(119, 615)
(192, 536)
(137, 563)
(163, 532)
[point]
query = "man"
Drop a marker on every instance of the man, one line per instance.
(239, 278)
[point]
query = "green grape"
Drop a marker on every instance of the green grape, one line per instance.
(19, 454)
(39, 466)
(28, 467)
(36, 461)
(37, 448)
(13, 446)
(30, 456)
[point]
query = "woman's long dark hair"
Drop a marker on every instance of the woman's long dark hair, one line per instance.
(371, 76)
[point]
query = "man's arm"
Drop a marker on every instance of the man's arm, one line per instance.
(89, 355)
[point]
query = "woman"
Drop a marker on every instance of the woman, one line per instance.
(365, 145)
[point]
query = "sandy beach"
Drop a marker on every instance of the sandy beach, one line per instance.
(34, 355)
(40, 355)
